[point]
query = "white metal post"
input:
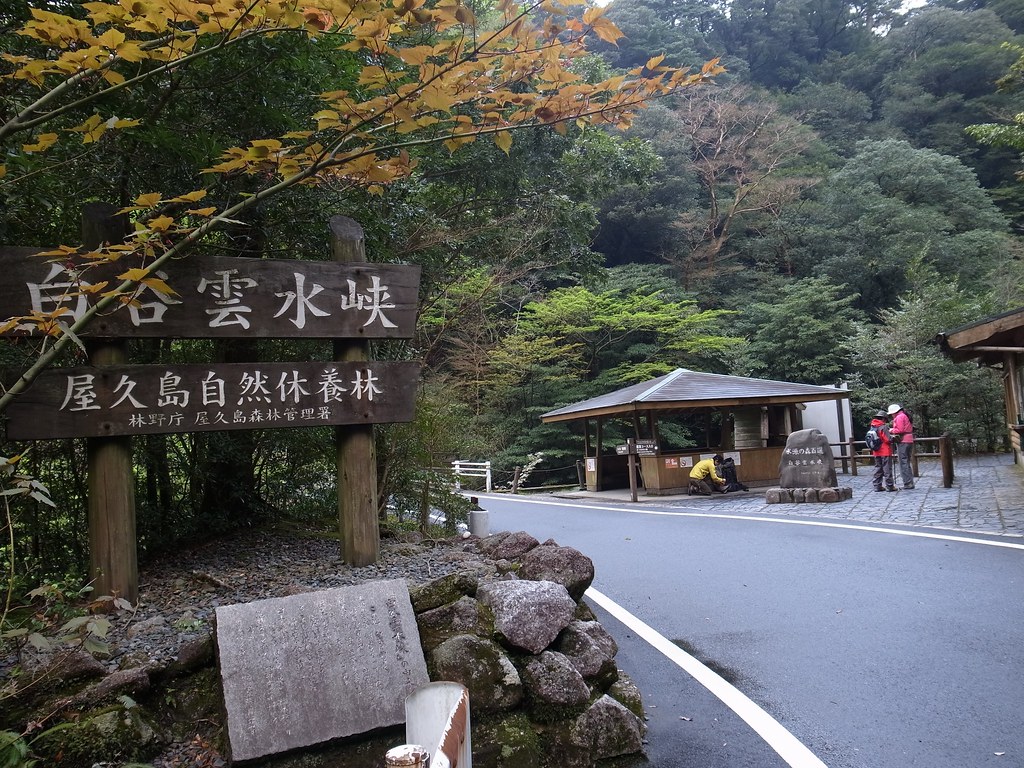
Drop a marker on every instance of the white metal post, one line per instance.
(437, 714)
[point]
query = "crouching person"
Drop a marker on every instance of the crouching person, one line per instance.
(704, 479)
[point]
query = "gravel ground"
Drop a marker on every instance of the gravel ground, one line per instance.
(178, 597)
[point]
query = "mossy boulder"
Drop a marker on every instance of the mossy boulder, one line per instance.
(442, 591)
(607, 729)
(592, 651)
(482, 666)
(509, 741)
(464, 616)
(191, 699)
(120, 733)
(625, 692)
(554, 689)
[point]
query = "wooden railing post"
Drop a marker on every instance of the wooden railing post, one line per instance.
(853, 457)
(946, 459)
(356, 460)
(113, 557)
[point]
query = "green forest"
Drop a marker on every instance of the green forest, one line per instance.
(847, 188)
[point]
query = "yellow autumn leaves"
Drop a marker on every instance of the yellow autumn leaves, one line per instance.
(469, 80)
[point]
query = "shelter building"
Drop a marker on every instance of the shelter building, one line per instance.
(747, 419)
(996, 342)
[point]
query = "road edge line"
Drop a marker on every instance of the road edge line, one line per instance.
(788, 747)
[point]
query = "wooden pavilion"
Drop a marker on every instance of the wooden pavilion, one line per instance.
(747, 419)
(996, 342)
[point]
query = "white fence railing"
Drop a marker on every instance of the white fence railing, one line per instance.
(436, 714)
(472, 469)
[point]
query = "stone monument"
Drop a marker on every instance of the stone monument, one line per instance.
(807, 471)
(310, 668)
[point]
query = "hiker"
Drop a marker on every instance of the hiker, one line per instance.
(704, 479)
(902, 431)
(880, 444)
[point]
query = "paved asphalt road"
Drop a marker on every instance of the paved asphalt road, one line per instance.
(873, 649)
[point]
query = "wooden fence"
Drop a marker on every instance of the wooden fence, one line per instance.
(853, 452)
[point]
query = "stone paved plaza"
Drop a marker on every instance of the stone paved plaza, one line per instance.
(987, 496)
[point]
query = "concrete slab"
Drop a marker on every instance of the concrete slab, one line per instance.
(309, 668)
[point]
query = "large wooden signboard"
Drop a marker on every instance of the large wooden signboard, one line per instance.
(220, 297)
(151, 399)
(347, 300)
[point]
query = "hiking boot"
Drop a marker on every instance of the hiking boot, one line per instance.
(892, 490)
(879, 490)
(908, 487)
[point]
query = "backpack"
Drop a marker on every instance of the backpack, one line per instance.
(732, 482)
(873, 438)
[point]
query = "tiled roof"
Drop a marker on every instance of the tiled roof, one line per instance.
(691, 389)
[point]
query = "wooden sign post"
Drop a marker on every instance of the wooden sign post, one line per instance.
(347, 299)
(113, 553)
(356, 455)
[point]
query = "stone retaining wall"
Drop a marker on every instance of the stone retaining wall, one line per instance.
(544, 689)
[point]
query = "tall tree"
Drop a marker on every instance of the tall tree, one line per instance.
(784, 41)
(741, 146)
(889, 204)
(801, 335)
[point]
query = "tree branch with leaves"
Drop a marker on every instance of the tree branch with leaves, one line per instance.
(470, 80)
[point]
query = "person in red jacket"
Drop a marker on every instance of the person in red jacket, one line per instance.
(883, 454)
(902, 431)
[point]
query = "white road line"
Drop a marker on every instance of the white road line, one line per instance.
(780, 520)
(768, 728)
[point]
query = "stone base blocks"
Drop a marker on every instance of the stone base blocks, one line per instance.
(807, 495)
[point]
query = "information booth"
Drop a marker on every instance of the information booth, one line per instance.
(742, 418)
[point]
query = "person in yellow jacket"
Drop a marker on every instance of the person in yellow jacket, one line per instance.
(704, 477)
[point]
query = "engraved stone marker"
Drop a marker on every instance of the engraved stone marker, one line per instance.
(807, 461)
(309, 668)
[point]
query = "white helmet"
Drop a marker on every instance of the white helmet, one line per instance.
(894, 408)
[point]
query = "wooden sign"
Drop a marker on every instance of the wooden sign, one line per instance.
(219, 297)
(152, 399)
(638, 447)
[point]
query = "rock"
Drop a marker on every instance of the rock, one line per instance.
(442, 591)
(807, 461)
(144, 627)
(482, 666)
(562, 565)
(554, 689)
(528, 614)
(591, 650)
(61, 666)
(607, 729)
(510, 741)
(443, 623)
(625, 692)
(507, 546)
(195, 653)
(121, 734)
